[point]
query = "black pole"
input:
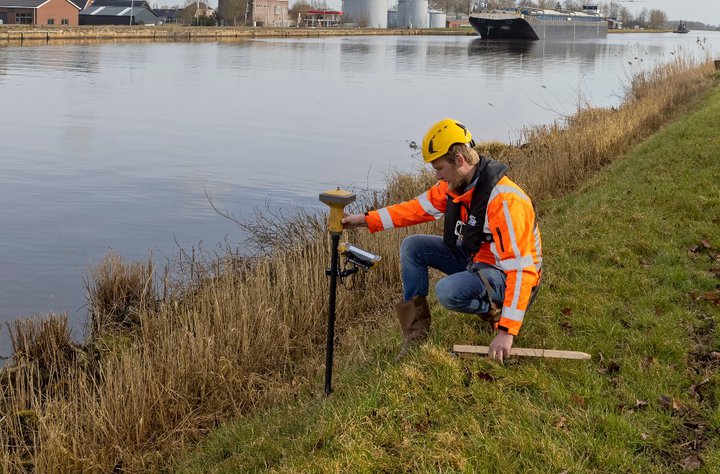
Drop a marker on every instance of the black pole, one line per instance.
(331, 314)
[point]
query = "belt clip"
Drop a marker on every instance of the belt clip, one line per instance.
(459, 227)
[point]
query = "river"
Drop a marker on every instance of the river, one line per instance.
(115, 145)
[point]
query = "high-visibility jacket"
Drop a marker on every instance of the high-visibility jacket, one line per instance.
(516, 246)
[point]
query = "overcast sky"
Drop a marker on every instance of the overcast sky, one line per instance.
(706, 11)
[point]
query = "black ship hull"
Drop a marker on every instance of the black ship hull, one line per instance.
(536, 28)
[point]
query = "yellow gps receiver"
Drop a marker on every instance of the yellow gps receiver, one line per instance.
(337, 199)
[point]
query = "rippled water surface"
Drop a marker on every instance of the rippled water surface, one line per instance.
(114, 145)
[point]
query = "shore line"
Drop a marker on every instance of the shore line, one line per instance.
(15, 34)
(185, 33)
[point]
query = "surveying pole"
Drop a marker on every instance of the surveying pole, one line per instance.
(337, 199)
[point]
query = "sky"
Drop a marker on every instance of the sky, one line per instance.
(706, 11)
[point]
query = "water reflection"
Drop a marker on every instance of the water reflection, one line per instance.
(67, 59)
(360, 56)
(539, 53)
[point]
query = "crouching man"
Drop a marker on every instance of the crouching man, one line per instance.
(490, 249)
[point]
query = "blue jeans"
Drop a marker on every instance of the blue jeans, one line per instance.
(460, 290)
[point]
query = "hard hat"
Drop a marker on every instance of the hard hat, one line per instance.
(441, 136)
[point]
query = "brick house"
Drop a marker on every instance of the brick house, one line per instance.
(39, 12)
(269, 12)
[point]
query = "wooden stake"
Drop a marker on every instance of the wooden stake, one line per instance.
(524, 352)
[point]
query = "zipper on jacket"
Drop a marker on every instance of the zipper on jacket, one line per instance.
(502, 247)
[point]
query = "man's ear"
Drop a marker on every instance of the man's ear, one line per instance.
(459, 159)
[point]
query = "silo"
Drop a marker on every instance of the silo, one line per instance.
(392, 19)
(413, 14)
(437, 19)
(366, 13)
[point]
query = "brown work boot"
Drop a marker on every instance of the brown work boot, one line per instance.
(492, 316)
(414, 316)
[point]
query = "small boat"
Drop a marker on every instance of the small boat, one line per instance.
(681, 28)
(530, 23)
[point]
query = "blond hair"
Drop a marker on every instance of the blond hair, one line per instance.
(469, 153)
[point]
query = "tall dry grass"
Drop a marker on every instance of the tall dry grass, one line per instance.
(556, 158)
(171, 355)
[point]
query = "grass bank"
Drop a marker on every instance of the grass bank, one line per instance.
(172, 354)
(632, 277)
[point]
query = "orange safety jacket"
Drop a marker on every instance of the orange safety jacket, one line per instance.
(515, 247)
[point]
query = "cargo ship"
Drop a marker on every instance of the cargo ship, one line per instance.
(528, 23)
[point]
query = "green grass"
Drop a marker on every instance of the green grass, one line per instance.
(627, 279)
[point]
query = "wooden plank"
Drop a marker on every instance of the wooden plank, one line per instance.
(524, 352)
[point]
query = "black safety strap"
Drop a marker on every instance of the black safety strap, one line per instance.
(494, 313)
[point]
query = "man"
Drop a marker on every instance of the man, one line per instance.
(490, 249)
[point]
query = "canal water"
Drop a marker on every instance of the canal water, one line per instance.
(115, 145)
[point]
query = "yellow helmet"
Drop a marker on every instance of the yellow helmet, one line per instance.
(441, 136)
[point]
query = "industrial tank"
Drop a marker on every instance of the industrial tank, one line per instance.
(437, 19)
(392, 19)
(413, 14)
(366, 13)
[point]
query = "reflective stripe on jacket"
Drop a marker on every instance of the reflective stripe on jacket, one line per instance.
(516, 247)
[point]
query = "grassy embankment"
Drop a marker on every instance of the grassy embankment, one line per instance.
(170, 357)
(632, 277)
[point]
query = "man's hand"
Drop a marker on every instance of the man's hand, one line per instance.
(353, 221)
(500, 346)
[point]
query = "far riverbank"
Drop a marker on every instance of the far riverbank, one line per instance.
(14, 33)
(184, 33)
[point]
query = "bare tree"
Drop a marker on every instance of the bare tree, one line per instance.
(493, 4)
(451, 6)
(626, 16)
(657, 19)
(232, 12)
(301, 6)
(612, 9)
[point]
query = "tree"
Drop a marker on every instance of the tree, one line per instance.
(572, 5)
(298, 11)
(451, 6)
(494, 4)
(232, 12)
(612, 9)
(657, 19)
(626, 16)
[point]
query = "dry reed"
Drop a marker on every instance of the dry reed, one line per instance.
(228, 334)
(556, 158)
